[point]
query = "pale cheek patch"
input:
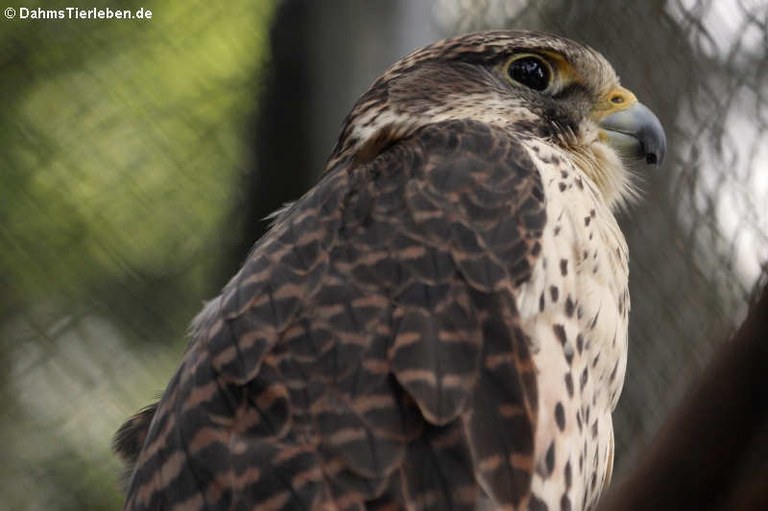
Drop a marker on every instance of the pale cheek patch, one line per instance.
(604, 167)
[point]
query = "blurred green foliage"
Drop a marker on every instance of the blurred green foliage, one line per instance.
(121, 145)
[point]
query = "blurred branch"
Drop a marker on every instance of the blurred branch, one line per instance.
(278, 168)
(711, 453)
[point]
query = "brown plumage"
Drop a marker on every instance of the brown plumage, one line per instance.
(375, 350)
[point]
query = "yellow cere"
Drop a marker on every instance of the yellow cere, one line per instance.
(616, 100)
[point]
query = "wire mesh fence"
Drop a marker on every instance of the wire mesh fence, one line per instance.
(122, 142)
(698, 239)
(125, 149)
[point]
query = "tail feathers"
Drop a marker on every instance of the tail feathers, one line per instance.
(130, 438)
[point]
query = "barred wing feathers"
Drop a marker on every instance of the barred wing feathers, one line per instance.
(369, 354)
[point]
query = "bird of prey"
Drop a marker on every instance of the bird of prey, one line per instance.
(441, 322)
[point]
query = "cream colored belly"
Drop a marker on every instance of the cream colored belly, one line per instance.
(575, 311)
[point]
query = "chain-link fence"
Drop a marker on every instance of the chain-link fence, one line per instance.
(699, 237)
(121, 143)
(135, 169)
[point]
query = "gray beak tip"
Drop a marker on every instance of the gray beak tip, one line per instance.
(654, 156)
(637, 133)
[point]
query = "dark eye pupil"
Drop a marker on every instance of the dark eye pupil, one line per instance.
(531, 72)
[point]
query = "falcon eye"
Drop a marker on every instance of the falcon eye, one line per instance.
(531, 71)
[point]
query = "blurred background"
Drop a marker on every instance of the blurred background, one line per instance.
(138, 158)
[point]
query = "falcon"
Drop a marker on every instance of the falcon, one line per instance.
(441, 322)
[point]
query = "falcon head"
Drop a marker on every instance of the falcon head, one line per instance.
(533, 84)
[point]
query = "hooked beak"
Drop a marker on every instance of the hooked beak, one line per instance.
(635, 132)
